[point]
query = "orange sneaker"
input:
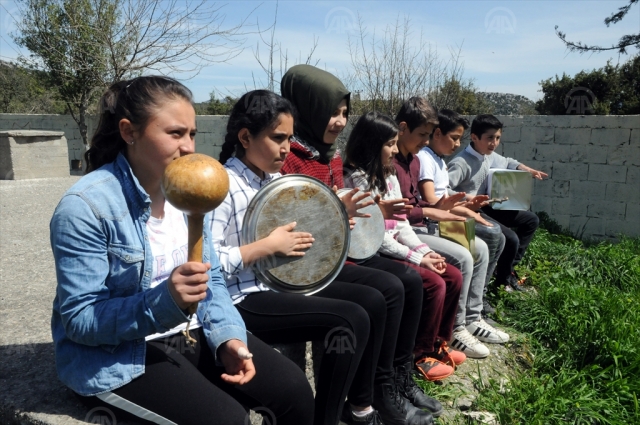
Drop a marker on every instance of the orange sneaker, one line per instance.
(432, 369)
(452, 357)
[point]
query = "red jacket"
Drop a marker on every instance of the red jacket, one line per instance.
(305, 159)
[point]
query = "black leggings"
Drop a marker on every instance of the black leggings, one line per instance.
(182, 384)
(404, 307)
(342, 316)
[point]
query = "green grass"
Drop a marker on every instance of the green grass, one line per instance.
(582, 328)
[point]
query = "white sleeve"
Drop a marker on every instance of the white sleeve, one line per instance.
(228, 254)
(427, 167)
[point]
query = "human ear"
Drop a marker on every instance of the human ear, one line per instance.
(474, 138)
(126, 131)
(403, 127)
(244, 137)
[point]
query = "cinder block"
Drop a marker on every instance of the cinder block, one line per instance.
(560, 120)
(610, 136)
(607, 173)
(633, 212)
(629, 121)
(511, 134)
(624, 155)
(570, 171)
(587, 189)
(623, 192)
(561, 205)
(633, 175)
(563, 220)
(538, 121)
(537, 135)
(544, 166)
(561, 153)
(543, 188)
(572, 136)
(579, 206)
(596, 154)
(510, 120)
(542, 203)
(634, 139)
(586, 226)
(607, 209)
(560, 187)
(520, 151)
(628, 228)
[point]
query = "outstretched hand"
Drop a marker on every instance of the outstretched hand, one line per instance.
(239, 369)
(449, 202)
(476, 202)
(351, 201)
(393, 209)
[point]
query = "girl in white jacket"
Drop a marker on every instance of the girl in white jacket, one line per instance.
(369, 155)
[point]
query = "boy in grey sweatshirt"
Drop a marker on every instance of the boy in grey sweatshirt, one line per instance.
(469, 172)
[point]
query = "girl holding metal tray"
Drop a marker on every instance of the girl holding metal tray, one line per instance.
(322, 102)
(370, 151)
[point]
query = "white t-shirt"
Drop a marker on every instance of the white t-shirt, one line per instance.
(168, 238)
(433, 168)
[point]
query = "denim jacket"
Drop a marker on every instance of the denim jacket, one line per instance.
(104, 307)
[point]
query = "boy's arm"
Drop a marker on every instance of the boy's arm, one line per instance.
(457, 174)
(535, 173)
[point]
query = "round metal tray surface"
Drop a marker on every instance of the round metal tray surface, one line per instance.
(315, 209)
(368, 233)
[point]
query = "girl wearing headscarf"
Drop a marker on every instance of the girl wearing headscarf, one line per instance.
(322, 103)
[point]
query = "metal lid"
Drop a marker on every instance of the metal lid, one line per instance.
(317, 210)
(368, 233)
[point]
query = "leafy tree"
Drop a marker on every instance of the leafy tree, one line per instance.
(462, 97)
(220, 107)
(622, 45)
(85, 45)
(608, 90)
(23, 91)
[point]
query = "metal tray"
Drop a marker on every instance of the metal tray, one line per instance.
(368, 234)
(317, 210)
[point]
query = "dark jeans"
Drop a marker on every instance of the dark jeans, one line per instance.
(343, 316)
(524, 225)
(182, 384)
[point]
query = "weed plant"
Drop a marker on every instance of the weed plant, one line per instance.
(584, 324)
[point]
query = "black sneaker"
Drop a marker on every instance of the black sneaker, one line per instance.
(513, 283)
(397, 410)
(349, 418)
(412, 392)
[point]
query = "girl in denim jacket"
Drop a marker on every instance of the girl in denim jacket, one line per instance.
(124, 284)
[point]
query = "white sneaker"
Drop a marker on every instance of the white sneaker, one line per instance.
(463, 341)
(487, 333)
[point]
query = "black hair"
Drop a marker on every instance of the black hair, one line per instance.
(417, 111)
(364, 147)
(135, 100)
(255, 111)
(449, 120)
(483, 123)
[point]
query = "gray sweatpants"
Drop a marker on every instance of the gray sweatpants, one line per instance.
(474, 273)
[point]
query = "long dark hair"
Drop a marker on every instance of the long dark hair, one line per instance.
(255, 111)
(135, 100)
(364, 147)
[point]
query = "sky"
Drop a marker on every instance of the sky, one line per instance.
(505, 46)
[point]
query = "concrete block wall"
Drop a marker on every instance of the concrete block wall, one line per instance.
(593, 162)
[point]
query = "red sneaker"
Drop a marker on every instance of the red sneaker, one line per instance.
(432, 369)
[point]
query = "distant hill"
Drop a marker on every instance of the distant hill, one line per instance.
(510, 104)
